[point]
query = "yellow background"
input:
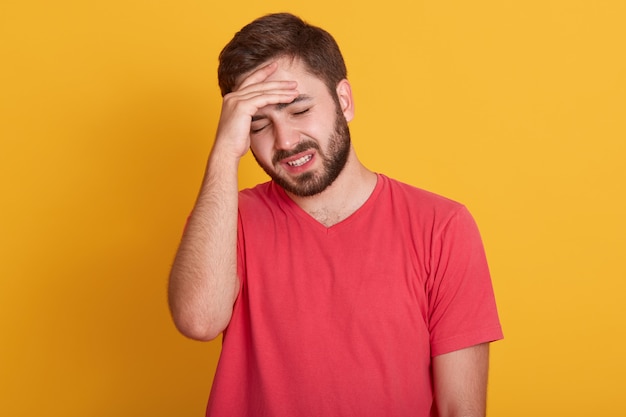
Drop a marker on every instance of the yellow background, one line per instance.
(108, 110)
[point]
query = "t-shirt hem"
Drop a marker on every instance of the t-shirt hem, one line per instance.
(466, 340)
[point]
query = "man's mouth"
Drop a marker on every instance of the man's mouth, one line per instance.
(300, 161)
(298, 156)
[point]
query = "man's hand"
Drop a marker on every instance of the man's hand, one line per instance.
(254, 93)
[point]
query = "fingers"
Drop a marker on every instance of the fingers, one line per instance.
(258, 80)
(258, 75)
(259, 96)
(255, 92)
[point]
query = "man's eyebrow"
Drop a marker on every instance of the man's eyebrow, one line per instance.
(282, 106)
(302, 97)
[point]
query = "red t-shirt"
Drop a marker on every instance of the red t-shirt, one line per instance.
(344, 320)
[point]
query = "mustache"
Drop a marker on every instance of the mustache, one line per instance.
(300, 147)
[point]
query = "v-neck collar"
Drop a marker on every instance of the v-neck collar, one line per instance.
(292, 207)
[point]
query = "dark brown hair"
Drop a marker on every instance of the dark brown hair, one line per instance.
(281, 35)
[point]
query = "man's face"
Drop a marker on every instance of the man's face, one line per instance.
(304, 145)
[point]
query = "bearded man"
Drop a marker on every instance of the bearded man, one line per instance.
(339, 291)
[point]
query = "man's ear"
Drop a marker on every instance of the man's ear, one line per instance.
(344, 95)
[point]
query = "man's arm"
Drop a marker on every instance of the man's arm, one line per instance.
(460, 382)
(203, 281)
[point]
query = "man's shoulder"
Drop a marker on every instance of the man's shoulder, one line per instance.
(256, 191)
(403, 192)
(405, 202)
(264, 194)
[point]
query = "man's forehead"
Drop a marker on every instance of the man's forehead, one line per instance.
(286, 64)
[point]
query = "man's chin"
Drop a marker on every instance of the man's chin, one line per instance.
(305, 185)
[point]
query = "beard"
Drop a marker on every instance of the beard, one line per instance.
(333, 162)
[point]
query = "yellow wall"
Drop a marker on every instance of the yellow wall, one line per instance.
(107, 111)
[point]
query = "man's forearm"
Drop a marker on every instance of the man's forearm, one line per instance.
(203, 281)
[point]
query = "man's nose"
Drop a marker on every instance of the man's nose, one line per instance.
(286, 137)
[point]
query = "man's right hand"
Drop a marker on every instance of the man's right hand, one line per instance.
(238, 107)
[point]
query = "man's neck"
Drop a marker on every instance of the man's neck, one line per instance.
(343, 197)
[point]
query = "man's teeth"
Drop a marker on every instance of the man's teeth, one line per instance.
(300, 161)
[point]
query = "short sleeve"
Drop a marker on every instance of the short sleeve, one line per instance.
(462, 308)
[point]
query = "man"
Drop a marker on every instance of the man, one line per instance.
(340, 291)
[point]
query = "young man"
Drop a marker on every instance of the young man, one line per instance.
(340, 291)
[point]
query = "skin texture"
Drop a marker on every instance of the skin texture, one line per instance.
(261, 115)
(460, 381)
